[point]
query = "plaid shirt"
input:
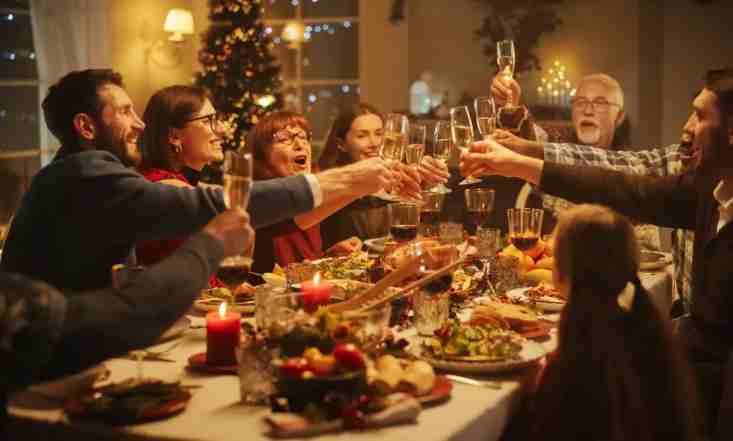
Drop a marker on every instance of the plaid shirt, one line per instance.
(662, 161)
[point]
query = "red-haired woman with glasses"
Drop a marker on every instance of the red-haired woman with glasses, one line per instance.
(280, 144)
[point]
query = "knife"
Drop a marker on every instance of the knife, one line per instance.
(472, 382)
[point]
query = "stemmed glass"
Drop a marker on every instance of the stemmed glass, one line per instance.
(415, 148)
(506, 57)
(233, 270)
(487, 244)
(485, 115)
(405, 217)
(442, 148)
(479, 203)
(393, 143)
(462, 134)
(525, 227)
(509, 116)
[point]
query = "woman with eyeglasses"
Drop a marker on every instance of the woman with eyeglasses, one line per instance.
(183, 133)
(280, 144)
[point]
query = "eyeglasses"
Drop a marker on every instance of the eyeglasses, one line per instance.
(598, 105)
(288, 138)
(214, 119)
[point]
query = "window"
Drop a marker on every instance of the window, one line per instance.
(19, 110)
(317, 45)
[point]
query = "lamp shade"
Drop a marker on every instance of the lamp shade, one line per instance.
(179, 22)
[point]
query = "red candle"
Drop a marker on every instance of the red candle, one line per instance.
(222, 336)
(315, 293)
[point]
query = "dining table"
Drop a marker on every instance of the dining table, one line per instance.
(216, 413)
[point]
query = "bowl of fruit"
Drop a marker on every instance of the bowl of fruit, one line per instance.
(310, 377)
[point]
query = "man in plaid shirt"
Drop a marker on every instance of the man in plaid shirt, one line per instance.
(594, 123)
(663, 161)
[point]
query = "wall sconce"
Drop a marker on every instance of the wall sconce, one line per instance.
(167, 53)
(293, 34)
(180, 23)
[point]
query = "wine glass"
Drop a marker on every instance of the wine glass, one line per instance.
(487, 245)
(415, 148)
(462, 134)
(233, 270)
(405, 217)
(479, 203)
(485, 115)
(505, 58)
(432, 205)
(393, 143)
(525, 226)
(442, 149)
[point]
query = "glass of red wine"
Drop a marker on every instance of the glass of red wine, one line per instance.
(405, 217)
(432, 206)
(525, 227)
(479, 203)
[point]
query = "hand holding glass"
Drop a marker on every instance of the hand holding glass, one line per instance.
(237, 183)
(462, 134)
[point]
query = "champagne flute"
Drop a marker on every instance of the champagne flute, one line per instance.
(485, 115)
(442, 149)
(415, 148)
(393, 143)
(505, 58)
(509, 117)
(233, 270)
(462, 134)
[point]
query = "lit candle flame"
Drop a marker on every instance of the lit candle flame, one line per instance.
(223, 310)
(317, 278)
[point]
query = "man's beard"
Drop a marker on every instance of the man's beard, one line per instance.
(117, 145)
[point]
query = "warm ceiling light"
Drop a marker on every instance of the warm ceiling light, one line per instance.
(179, 22)
(293, 32)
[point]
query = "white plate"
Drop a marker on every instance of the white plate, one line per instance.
(654, 260)
(376, 244)
(518, 295)
(531, 352)
(178, 328)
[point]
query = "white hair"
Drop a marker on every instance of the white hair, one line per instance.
(607, 80)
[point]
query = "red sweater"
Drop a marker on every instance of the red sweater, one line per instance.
(152, 252)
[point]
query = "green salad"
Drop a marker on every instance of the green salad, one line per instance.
(474, 342)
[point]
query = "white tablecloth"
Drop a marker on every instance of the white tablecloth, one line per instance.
(215, 412)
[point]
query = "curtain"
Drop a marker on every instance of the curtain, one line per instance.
(68, 35)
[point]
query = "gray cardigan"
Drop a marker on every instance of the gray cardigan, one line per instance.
(85, 211)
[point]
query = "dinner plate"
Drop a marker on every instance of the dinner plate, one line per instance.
(205, 305)
(531, 353)
(544, 303)
(654, 260)
(376, 244)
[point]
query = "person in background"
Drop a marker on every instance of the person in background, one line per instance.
(699, 198)
(616, 374)
(356, 134)
(46, 333)
(280, 146)
(84, 211)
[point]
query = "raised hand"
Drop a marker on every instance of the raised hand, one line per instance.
(432, 171)
(233, 230)
(502, 88)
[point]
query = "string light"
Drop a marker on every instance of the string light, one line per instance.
(557, 89)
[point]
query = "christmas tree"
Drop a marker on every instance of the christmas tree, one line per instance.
(239, 70)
